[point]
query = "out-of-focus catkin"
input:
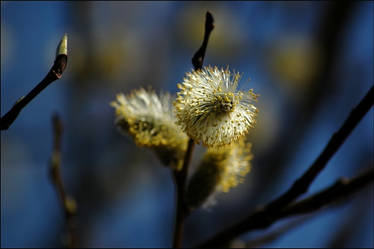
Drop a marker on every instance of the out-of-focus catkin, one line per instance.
(221, 169)
(149, 120)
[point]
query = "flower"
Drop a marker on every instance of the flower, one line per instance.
(210, 110)
(149, 120)
(221, 169)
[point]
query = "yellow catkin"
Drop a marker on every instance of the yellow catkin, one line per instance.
(208, 104)
(221, 169)
(149, 120)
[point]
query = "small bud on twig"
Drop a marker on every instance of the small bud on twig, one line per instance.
(62, 47)
(61, 57)
(53, 74)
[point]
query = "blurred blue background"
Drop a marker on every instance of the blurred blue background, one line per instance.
(311, 63)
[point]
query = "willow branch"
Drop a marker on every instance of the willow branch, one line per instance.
(263, 218)
(301, 185)
(347, 226)
(53, 74)
(198, 58)
(328, 34)
(180, 182)
(275, 235)
(181, 176)
(68, 203)
(340, 190)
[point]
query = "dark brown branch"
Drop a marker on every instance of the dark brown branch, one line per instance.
(319, 87)
(198, 58)
(336, 192)
(54, 73)
(264, 218)
(274, 235)
(301, 185)
(181, 176)
(345, 229)
(67, 202)
(342, 189)
(180, 183)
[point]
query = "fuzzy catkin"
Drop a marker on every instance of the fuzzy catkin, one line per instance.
(149, 120)
(210, 109)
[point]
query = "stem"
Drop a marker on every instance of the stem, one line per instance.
(198, 58)
(180, 183)
(68, 204)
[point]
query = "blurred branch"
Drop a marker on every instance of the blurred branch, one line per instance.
(348, 225)
(340, 190)
(54, 73)
(274, 235)
(328, 37)
(68, 203)
(301, 185)
(181, 176)
(263, 217)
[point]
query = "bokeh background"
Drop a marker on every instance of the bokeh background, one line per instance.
(311, 62)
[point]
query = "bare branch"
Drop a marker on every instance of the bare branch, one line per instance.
(339, 191)
(274, 235)
(347, 225)
(54, 73)
(336, 192)
(328, 34)
(302, 184)
(180, 183)
(198, 58)
(67, 202)
(263, 218)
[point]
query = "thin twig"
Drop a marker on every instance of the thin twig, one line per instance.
(341, 189)
(54, 73)
(274, 235)
(198, 58)
(347, 225)
(262, 218)
(301, 185)
(180, 183)
(67, 202)
(328, 34)
(181, 176)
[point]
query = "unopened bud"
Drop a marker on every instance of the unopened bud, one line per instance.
(62, 47)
